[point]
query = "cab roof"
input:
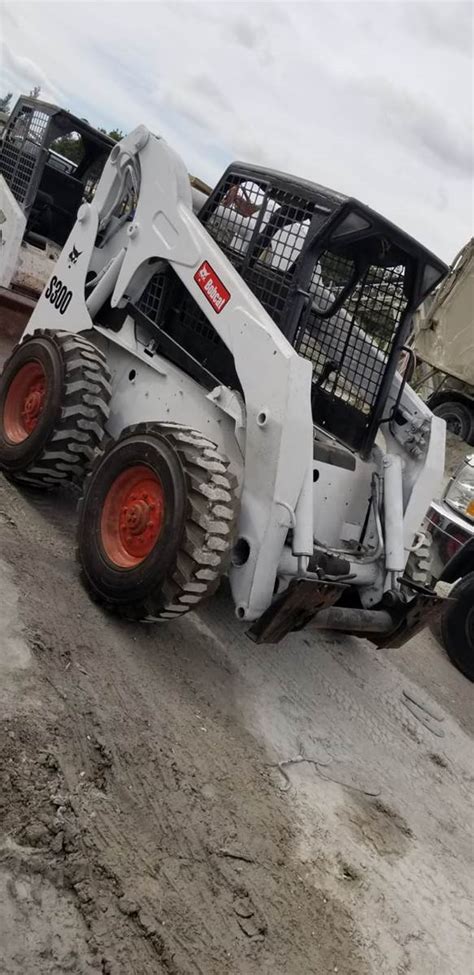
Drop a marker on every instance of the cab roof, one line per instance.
(284, 187)
(72, 123)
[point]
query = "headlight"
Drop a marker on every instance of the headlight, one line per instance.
(460, 491)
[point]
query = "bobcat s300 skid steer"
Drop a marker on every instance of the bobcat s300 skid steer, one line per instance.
(225, 386)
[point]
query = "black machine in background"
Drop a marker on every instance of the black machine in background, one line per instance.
(48, 187)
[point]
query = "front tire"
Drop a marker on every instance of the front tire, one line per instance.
(54, 404)
(156, 522)
(457, 626)
(458, 417)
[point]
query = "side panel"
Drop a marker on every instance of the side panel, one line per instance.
(71, 270)
(145, 389)
(34, 266)
(12, 228)
(341, 500)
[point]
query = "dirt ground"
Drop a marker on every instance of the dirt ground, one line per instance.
(145, 824)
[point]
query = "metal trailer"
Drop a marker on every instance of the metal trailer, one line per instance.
(444, 342)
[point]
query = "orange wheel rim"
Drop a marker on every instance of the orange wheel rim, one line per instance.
(132, 516)
(24, 402)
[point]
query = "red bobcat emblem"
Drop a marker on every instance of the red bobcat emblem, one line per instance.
(212, 287)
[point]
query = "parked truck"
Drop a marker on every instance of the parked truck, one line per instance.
(444, 345)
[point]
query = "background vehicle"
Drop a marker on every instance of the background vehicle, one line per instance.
(246, 367)
(41, 190)
(450, 523)
(444, 346)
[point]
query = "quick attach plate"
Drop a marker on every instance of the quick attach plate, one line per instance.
(294, 609)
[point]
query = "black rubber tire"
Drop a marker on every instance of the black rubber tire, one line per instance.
(458, 415)
(418, 567)
(70, 429)
(193, 548)
(457, 626)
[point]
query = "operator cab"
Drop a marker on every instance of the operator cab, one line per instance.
(339, 280)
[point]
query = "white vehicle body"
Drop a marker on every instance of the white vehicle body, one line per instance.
(268, 432)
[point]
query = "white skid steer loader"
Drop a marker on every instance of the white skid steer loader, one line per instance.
(225, 385)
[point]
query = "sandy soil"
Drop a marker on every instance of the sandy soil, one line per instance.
(145, 824)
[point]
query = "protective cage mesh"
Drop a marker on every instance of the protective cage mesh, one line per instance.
(350, 348)
(20, 150)
(262, 229)
(166, 303)
(151, 302)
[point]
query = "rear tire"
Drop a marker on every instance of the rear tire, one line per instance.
(457, 626)
(54, 404)
(156, 522)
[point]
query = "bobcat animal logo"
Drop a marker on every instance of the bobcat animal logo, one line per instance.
(73, 256)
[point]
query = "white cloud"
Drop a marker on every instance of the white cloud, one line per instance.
(22, 71)
(372, 99)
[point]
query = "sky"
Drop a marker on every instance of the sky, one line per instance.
(372, 99)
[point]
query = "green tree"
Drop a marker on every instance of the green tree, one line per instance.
(5, 103)
(115, 134)
(69, 146)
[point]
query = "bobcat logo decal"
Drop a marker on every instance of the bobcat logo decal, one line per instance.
(73, 256)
